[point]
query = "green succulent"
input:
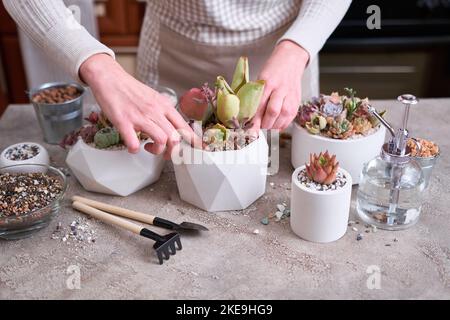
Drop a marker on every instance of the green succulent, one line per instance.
(238, 102)
(106, 137)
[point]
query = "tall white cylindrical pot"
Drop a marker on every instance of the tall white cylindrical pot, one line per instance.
(352, 153)
(320, 216)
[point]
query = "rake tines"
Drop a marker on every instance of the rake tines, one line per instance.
(165, 245)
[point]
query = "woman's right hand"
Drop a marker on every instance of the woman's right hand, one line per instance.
(132, 106)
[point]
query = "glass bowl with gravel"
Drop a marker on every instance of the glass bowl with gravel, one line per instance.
(29, 198)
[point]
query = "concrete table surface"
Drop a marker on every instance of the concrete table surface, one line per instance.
(230, 261)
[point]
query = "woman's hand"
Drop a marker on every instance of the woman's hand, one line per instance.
(132, 106)
(283, 73)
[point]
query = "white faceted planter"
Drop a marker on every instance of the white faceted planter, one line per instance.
(224, 180)
(114, 172)
(320, 216)
(352, 153)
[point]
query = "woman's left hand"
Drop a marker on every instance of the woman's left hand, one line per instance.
(283, 73)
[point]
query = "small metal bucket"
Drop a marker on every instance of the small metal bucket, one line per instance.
(427, 164)
(58, 119)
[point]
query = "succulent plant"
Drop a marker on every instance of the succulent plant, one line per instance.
(340, 129)
(345, 115)
(106, 137)
(351, 103)
(333, 106)
(316, 124)
(216, 133)
(322, 168)
(92, 118)
(87, 133)
(305, 113)
(196, 103)
(361, 125)
(238, 102)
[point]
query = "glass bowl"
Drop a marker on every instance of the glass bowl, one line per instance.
(18, 227)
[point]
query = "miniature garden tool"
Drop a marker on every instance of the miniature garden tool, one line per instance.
(139, 216)
(165, 245)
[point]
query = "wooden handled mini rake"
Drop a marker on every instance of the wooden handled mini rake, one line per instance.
(165, 245)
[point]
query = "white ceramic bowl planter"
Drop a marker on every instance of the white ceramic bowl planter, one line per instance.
(114, 172)
(320, 216)
(352, 153)
(222, 180)
(25, 153)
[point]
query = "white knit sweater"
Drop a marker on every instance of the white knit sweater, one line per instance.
(51, 25)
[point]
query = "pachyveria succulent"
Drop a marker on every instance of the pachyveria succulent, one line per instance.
(338, 117)
(233, 106)
(322, 168)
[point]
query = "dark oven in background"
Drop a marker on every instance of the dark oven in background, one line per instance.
(410, 53)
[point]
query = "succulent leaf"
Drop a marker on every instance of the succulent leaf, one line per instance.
(250, 96)
(222, 84)
(227, 107)
(241, 74)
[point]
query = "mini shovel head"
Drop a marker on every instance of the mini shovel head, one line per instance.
(188, 226)
(192, 226)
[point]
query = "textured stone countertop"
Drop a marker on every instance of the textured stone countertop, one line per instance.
(231, 261)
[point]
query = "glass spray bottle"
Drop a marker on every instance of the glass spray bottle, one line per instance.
(391, 186)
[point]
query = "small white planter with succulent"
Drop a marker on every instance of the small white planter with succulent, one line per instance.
(340, 124)
(101, 163)
(228, 172)
(320, 199)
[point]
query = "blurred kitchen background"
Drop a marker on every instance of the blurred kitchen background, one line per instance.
(410, 53)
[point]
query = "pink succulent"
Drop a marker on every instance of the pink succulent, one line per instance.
(194, 103)
(305, 112)
(93, 117)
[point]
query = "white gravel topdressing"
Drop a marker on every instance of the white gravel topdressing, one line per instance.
(340, 182)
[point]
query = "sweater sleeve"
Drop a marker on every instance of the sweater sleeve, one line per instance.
(53, 27)
(316, 21)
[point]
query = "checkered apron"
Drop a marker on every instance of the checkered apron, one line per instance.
(186, 43)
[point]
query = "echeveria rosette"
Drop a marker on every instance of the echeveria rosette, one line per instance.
(322, 168)
(333, 106)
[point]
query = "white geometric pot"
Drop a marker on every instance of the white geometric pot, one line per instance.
(320, 216)
(114, 172)
(352, 153)
(223, 180)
